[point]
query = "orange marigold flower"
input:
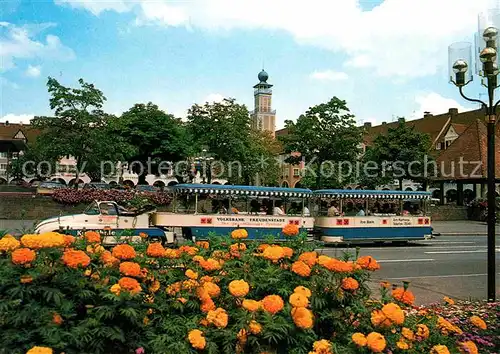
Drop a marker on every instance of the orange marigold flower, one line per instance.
(108, 259)
(274, 253)
(206, 278)
(402, 344)
(403, 295)
(334, 265)
(376, 342)
(191, 274)
(218, 317)
(197, 339)
(210, 264)
(263, 247)
(302, 317)
(171, 253)
(478, 322)
(123, 252)
(130, 284)
(368, 262)
(95, 249)
(92, 237)
(239, 288)
(203, 244)
(115, 289)
(212, 289)
(439, 349)
(359, 339)
(235, 249)
(288, 252)
(239, 234)
(408, 334)
(45, 240)
(290, 230)
(422, 332)
(22, 256)
(9, 243)
(74, 258)
(322, 347)
(447, 327)
(309, 258)
(302, 290)
(255, 327)
(298, 300)
(251, 305)
(390, 314)
(68, 240)
(350, 284)
(385, 284)
(155, 286)
(468, 347)
(207, 305)
(272, 304)
(449, 300)
(190, 250)
(57, 319)
(40, 350)
(182, 300)
(301, 268)
(155, 250)
(26, 279)
(130, 269)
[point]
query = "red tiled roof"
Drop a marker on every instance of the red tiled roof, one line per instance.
(459, 128)
(9, 130)
(281, 132)
(470, 148)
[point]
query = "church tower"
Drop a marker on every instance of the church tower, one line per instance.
(263, 116)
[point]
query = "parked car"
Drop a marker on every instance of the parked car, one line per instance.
(47, 188)
(96, 185)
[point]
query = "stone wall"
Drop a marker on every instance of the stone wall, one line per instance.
(448, 212)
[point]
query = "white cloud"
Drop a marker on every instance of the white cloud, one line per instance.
(17, 118)
(329, 75)
(98, 6)
(401, 38)
(33, 71)
(214, 98)
(19, 43)
(435, 104)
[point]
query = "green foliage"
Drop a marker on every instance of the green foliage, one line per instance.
(324, 133)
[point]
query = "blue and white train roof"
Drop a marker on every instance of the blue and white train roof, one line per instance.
(241, 190)
(371, 194)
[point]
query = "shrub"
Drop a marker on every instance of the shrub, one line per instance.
(217, 299)
(73, 196)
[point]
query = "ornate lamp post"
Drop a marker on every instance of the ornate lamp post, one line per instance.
(460, 65)
(205, 163)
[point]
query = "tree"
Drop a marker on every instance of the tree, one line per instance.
(400, 154)
(328, 140)
(158, 138)
(78, 127)
(260, 161)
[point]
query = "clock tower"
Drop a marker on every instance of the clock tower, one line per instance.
(263, 116)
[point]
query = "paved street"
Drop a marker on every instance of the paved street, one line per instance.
(454, 266)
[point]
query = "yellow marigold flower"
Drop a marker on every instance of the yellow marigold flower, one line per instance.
(92, 237)
(439, 349)
(375, 342)
(468, 347)
(302, 290)
(155, 286)
(218, 317)
(123, 252)
(242, 336)
(390, 314)
(403, 295)
(191, 274)
(22, 256)
(408, 334)
(478, 322)
(189, 284)
(75, 258)
(203, 244)
(302, 317)
(115, 289)
(212, 289)
(309, 258)
(239, 234)
(255, 327)
(449, 300)
(197, 339)
(155, 250)
(368, 262)
(422, 331)
(239, 288)
(350, 284)
(322, 347)
(130, 269)
(290, 230)
(301, 268)
(272, 304)
(359, 339)
(130, 284)
(40, 350)
(45, 240)
(447, 327)
(237, 247)
(9, 243)
(298, 300)
(171, 253)
(190, 250)
(57, 319)
(145, 320)
(251, 305)
(273, 253)
(402, 344)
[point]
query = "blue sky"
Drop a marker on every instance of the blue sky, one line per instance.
(386, 58)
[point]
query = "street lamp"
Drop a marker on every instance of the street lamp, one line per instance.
(203, 160)
(460, 65)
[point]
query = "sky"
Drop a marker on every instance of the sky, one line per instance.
(385, 58)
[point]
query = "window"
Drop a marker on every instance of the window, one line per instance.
(3, 155)
(296, 172)
(3, 166)
(448, 143)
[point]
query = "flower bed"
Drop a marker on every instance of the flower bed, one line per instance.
(61, 294)
(73, 196)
